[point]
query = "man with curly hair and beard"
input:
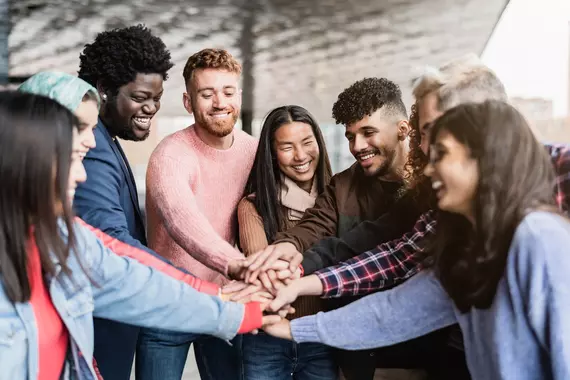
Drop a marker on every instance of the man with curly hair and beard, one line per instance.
(127, 67)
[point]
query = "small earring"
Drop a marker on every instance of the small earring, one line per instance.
(104, 97)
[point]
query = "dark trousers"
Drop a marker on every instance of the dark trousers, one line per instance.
(115, 345)
(430, 352)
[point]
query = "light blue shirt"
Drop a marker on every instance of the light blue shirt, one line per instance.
(524, 335)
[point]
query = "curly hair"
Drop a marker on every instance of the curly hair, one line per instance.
(117, 56)
(210, 59)
(366, 96)
(417, 184)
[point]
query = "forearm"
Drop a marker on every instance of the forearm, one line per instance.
(384, 266)
(308, 286)
(410, 310)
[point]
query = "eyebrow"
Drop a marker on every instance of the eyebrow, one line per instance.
(289, 142)
(213, 89)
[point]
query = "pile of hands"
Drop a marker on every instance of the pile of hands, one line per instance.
(269, 277)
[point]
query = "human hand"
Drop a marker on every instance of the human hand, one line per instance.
(284, 297)
(237, 269)
(278, 328)
(239, 291)
(279, 257)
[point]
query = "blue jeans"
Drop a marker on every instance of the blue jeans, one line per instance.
(115, 345)
(161, 355)
(269, 358)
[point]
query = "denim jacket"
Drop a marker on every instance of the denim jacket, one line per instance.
(113, 287)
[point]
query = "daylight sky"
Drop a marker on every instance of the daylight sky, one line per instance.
(529, 50)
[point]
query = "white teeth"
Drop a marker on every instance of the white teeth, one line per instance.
(436, 185)
(301, 167)
(220, 115)
(362, 158)
(142, 120)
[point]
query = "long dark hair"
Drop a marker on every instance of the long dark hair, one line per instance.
(265, 178)
(515, 177)
(35, 148)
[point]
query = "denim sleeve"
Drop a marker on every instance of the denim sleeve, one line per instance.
(129, 292)
(415, 308)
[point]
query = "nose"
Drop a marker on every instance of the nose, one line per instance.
(150, 108)
(88, 138)
(429, 170)
(219, 101)
(300, 155)
(78, 172)
(359, 143)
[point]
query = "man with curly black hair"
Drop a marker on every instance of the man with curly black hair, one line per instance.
(127, 67)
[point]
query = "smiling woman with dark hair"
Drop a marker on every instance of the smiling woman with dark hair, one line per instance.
(291, 168)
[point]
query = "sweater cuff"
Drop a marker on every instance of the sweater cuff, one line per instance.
(252, 318)
(305, 329)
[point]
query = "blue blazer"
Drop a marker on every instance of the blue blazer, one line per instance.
(108, 199)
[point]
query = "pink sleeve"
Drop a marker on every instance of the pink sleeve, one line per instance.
(176, 205)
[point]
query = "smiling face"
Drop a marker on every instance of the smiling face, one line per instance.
(215, 100)
(87, 112)
(128, 115)
(373, 141)
(297, 153)
(454, 175)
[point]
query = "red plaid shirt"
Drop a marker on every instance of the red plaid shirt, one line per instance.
(393, 262)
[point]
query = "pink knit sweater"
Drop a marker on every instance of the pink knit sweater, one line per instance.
(191, 199)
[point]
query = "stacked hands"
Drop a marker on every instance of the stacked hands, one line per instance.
(273, 278)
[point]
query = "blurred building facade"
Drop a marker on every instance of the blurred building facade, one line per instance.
(293, 52)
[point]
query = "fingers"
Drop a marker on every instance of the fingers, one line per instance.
(265, 280)
(284, 274)
(250, 289)
(278, 253)
(280, 265)
(234, 286)
(255, 261)
(270, 319)
(295, 262)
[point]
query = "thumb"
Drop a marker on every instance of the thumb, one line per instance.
(270, 319)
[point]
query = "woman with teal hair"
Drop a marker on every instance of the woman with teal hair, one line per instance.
(76, 95)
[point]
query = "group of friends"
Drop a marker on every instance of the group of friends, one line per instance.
(441, 248)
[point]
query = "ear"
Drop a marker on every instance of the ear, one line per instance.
(187, 102)
(403, 130)
(102, 92)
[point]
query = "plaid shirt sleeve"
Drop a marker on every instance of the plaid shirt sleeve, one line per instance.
(560, 156)
(385, 265)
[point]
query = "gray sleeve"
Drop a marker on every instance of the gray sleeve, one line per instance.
(412, 309)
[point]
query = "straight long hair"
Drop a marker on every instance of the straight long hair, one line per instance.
(35, 155)
(265, 176)
(515, 177)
